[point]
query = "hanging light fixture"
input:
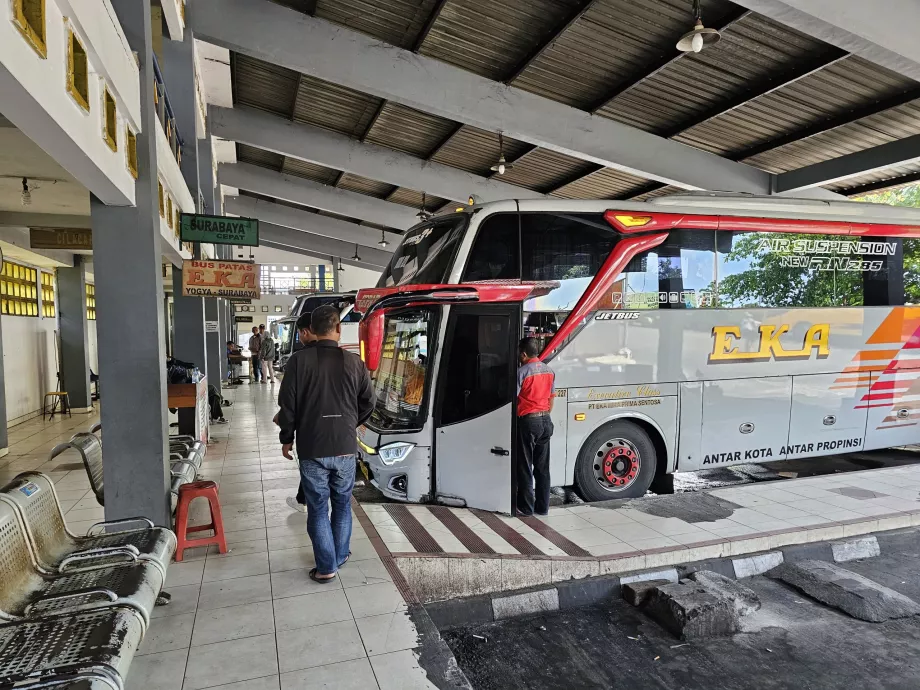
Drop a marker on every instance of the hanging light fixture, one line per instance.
(694, 41)
(341, 267)
(355, 257)
(423, 213)
(26, 197)
(502, 165)
(383, 239)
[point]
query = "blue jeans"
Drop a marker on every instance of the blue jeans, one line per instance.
(256, 365)
(323, 479)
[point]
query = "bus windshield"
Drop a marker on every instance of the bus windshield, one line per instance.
(426, 253)
(400, 381)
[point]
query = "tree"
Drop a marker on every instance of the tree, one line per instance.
(905, 196)
(768, 282)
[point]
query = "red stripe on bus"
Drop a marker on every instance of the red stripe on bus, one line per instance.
(622, 254)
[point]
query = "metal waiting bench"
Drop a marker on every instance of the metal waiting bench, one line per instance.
(77, 607)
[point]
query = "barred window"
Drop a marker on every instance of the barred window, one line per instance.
(49, 310)
(18, 291)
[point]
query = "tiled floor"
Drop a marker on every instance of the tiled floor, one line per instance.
(252, 619)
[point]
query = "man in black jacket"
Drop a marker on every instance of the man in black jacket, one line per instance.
(325, 395)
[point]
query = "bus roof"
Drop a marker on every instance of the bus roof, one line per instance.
(745, 205)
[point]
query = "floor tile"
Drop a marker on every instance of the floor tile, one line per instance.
(163, 671)
(346, 675)
(391, 632)
(266, 683)
(225, 662)
(184, 600)
(400, 671)
(319, 645)
(292, 583)
(292, 559)
(373, 600)
(179, 574)
(310, 610)
(370, 571)
(233, 622)
(232, 567)
(168, 634)
(244, 590)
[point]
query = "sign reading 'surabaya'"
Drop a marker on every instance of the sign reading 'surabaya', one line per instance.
(232, 279)
(195, 227)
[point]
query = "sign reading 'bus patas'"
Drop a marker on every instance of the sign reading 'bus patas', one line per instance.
(220, 279)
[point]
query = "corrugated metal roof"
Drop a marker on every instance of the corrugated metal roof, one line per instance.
(544, 170)
(310, 171)
(489, 37)
(260, 157)
(334, 107)
(395, 21)
(262, 85)
(603, 184)
(410, 197)
(407, 130)
(875, 177)
(476, 150)
(356, 183)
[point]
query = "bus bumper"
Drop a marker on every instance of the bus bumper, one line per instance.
(407, 480)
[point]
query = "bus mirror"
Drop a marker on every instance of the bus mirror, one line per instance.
(370, 334)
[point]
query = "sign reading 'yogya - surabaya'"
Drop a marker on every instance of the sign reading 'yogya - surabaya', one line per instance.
(220, 279)
(194, 227)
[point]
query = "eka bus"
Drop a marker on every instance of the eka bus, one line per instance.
(690, 332)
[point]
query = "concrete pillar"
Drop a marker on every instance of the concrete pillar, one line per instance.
(336, 263)
(224, 337)
(215, 350)
(206, 176)
(129, 293)
(71, 283)
(188, 325)
(4, 440)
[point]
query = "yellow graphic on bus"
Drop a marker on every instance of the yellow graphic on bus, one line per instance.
(725, 349)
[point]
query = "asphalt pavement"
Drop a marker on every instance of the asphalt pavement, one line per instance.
(792, 642)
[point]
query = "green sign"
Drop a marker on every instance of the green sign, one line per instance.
(219, 230)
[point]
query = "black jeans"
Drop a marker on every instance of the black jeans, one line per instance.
(301, 498)
(534, 433)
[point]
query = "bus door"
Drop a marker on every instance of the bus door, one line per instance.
(475, 403)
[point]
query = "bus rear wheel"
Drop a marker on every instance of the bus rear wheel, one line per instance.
(617, 461)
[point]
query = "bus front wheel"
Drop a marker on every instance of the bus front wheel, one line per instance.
(617, 461)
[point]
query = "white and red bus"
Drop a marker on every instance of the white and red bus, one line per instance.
(690, 332)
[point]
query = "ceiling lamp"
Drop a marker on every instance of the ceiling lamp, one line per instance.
(341, 267)
(694, 41)
(423, 213)
(356, 257)
(26, 197)
(502, 165)
(383, 239)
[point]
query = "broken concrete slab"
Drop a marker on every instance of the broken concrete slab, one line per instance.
(850, 592)
(689, 612)
(743, 598)
(637, 593)
(536, 601)
(853, 549)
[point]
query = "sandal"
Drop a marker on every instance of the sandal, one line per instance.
(346, 559)
(321, 580)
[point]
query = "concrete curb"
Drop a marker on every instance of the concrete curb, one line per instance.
(570, 594)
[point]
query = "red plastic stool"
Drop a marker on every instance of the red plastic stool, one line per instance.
(187, 493)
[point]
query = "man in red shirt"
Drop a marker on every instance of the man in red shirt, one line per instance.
(536, 389)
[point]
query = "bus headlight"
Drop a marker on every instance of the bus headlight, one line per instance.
(394, 452)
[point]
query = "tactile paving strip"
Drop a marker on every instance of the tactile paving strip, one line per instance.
(461, 530)
(551, 535)
(413, 529)
(508, 533)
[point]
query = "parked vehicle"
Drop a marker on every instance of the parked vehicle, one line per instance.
(285, 332)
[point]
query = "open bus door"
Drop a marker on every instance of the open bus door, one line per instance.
(474, 415)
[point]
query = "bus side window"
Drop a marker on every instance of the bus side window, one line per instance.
(495, 254)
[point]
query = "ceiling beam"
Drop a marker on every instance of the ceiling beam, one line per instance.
(279, 214)
(829, 123)
(575, 13)
(333, 53)
(43, 220)
(341, 152)
(646, 72)
(894, 153)
(883, 33)
(279, 234)
(325, 258)
(870, 187)
(298, 190)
